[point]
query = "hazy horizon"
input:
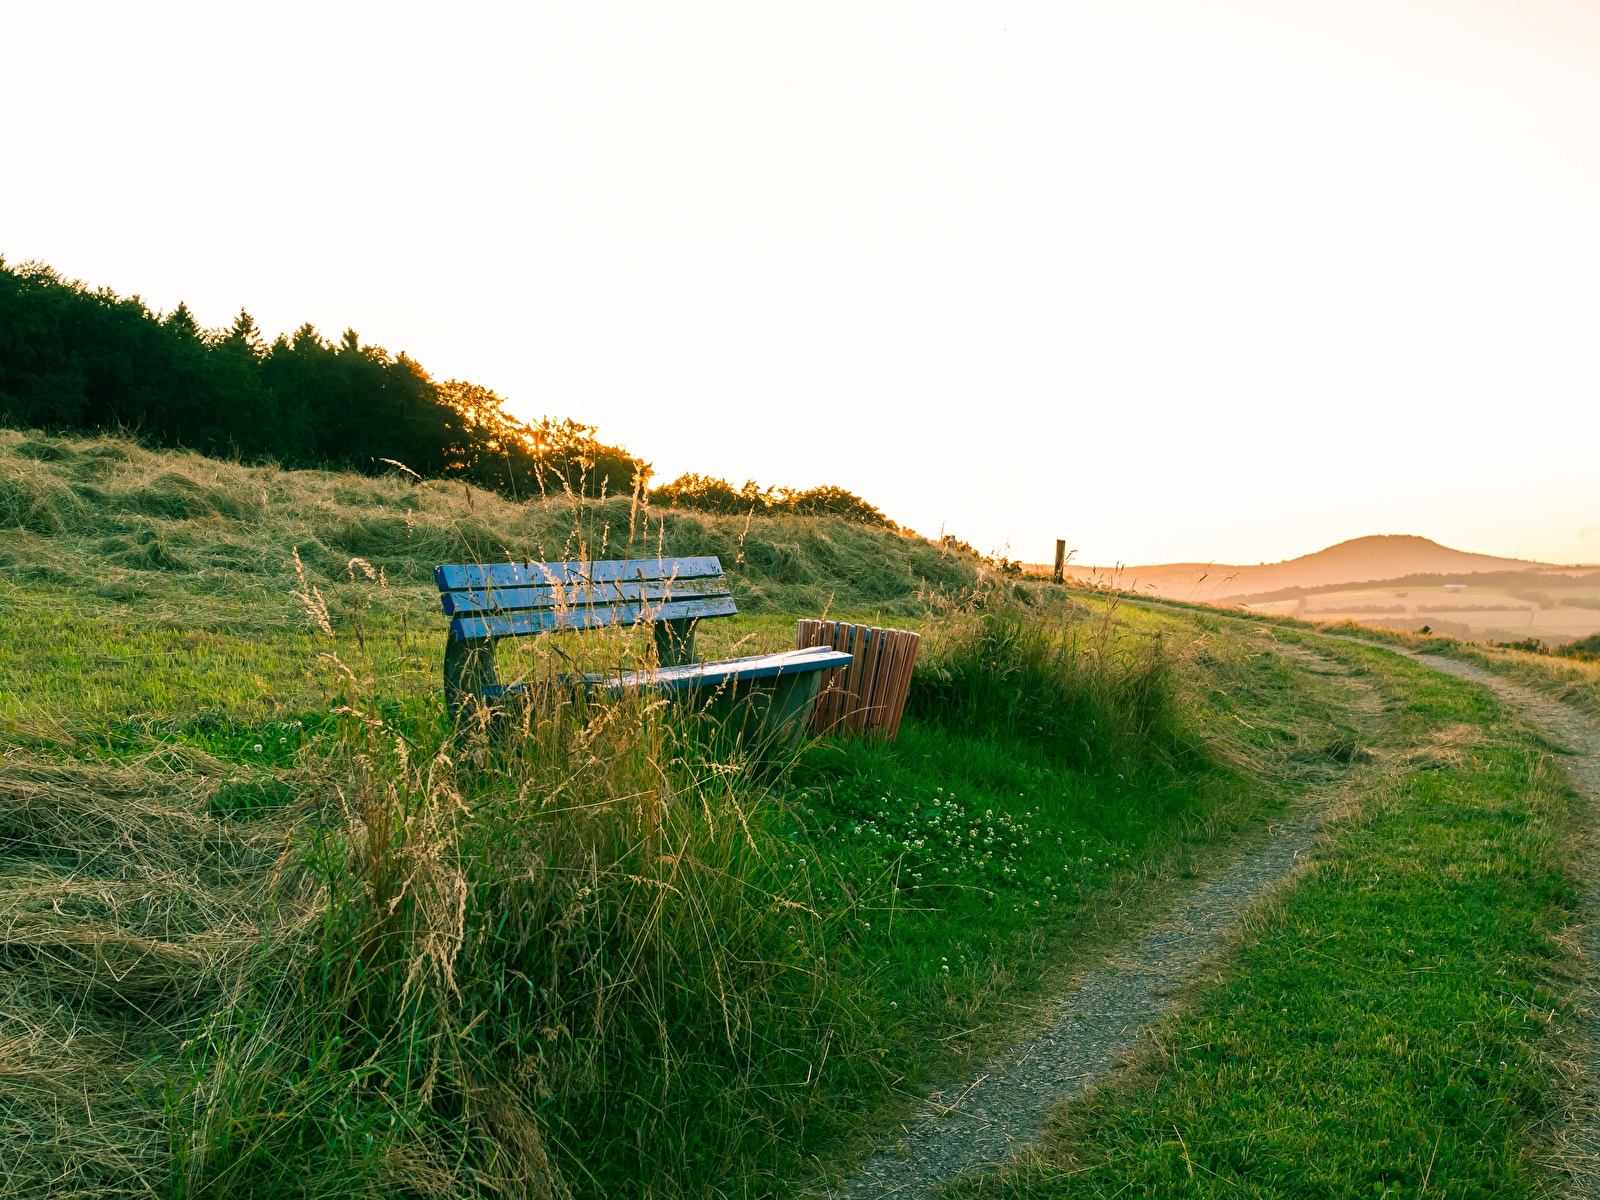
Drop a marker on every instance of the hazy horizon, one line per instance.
(1177, 286)
(1466, 550)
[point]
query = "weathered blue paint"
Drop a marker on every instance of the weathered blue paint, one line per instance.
(477, 576)
(579, 595)
(546, 620)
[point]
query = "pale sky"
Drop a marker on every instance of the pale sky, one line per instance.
(1225, 281)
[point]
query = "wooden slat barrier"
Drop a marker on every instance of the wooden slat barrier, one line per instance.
(869, 694)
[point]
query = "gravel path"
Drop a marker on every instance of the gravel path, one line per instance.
(1001, 1108)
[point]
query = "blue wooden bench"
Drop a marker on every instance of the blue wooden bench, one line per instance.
(489, 601)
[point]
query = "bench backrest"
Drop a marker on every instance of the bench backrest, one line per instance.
(495, 600)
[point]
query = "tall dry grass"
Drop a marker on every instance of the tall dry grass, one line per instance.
(555, 958)
(574, 954)
(1074, 678)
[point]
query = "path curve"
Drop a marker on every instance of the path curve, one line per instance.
(1001, 1108)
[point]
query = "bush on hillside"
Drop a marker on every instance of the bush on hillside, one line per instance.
(1586, 649)
(548, 457)
(706, 493)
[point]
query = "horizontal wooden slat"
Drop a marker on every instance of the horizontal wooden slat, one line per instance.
(477, 576)
(547, 620)
(759, 666)
(579, 595)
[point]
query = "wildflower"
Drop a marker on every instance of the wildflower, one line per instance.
(258, 747)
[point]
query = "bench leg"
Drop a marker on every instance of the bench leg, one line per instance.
(792, 701)
(771, 714)
(468, 671)
(675, 642)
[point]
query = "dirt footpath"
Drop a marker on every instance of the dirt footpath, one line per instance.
(1002, 1107)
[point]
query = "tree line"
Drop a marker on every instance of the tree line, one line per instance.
(72, 358)
(79, 359)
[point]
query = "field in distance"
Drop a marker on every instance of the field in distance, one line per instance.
(1481, 611)
(1396, 581)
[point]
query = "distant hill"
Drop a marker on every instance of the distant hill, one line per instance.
(1384, 556)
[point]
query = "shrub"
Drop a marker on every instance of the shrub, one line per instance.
(708, 494)
(1586, 649)
(1078, 683)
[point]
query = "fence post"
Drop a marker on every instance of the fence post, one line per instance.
(1061, 560)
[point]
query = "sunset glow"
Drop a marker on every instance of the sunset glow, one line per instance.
(1228, 283)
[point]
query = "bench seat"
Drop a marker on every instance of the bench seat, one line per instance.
(696, 676)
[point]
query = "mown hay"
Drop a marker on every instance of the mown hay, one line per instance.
(126, 910)
(105, 513)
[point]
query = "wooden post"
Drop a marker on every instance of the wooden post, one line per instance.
(1061, 560)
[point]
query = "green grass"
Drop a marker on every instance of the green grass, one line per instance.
(280, 930)
(1387, 1025)
(841, 977)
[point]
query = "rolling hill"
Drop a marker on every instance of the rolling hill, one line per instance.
(1363, 559)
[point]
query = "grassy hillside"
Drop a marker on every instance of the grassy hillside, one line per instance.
(275, 927)
(126, 522)
(115, 555)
